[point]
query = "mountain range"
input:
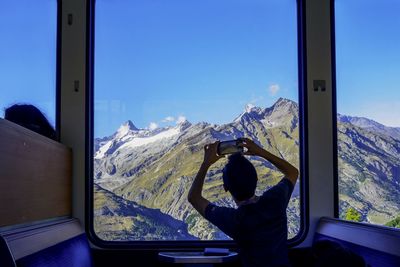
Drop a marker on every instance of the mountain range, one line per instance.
(369, 169)
(117, 217)
(152, 170)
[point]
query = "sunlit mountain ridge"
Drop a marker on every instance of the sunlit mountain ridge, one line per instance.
(155, 168)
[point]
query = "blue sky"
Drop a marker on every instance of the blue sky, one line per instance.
(368, 59)
(203, 60)
(157, 61)
(28, 54)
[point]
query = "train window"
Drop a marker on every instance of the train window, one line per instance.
(28, 46)
(171, 76)
(368, 106)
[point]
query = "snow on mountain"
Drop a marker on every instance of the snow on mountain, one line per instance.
(184, 124)
(128, 136)
(141, 141)
(130, 150)
(248, 109)
(102, 150)
(155, 168)
(125, 128)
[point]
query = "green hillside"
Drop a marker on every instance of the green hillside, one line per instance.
(158, 175)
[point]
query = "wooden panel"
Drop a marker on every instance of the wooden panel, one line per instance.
(35, 176)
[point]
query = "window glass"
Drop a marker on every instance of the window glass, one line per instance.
(28, 44)
(368, 105)
(172, 76)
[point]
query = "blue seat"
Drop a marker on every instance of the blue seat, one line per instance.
(55, 244)
(379, 246)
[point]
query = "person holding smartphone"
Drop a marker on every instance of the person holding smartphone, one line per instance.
(259, 223)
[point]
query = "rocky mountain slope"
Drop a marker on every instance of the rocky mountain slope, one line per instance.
(369, 170)
(370, 125)
(156, 168)
(153, 169)
(118, 219)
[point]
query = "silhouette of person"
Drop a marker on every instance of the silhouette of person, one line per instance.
(30, 117)
(259, 224)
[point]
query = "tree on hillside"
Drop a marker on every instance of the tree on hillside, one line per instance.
(353, 215)
(394, 223)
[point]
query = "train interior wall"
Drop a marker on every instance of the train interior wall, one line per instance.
(319, 114)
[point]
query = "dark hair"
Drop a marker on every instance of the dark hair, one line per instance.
(240, 177)
(30, 117)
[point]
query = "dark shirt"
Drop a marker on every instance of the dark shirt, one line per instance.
(259, 228)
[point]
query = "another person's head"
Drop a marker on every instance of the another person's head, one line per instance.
(31, 118)
(240, 177)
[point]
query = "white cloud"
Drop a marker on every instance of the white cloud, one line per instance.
(153, 126)
(180, 119)
(168, 119)
(274, 89)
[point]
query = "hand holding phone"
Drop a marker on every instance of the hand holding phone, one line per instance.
(210, 153)
(229, 147)
(252, 149)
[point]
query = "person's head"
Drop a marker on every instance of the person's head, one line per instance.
(30, 117)
(240, 177)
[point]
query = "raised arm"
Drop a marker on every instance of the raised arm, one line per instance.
(285, 167)
(195, 197)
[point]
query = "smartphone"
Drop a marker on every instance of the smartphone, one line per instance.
(229, 147)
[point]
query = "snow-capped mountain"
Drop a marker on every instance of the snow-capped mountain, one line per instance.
(134, 146)
(155, 168)
(139, 147)
(128, 136)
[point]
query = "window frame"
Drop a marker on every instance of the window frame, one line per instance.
(58, 71)
(182, 244)
(335, 128)
(57, 85)
(334, 114)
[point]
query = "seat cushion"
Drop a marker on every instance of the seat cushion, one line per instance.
(329, 253)
(74, 252)
(52, 244)
(377, 245)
